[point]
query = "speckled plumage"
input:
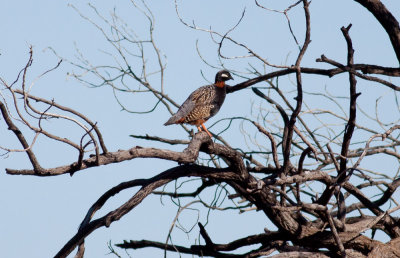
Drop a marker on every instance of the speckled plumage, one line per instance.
(203, 103)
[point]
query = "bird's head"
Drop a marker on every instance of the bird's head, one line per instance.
(221, 77)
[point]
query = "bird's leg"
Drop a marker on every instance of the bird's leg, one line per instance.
(205, 129)
(199, 128)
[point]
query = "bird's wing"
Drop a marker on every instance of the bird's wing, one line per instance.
(203, 95)
(185, 108)
(183, 111)
(196, 98)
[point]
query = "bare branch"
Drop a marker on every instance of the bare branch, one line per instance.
(11, 126)
(189, 155)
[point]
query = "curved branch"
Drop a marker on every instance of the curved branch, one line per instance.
(273, 143)
(67, 109)
(387, 20)
(287, 138)
(147, 187)
(21, 138)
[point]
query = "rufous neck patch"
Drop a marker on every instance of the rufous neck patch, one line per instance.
(220, 84)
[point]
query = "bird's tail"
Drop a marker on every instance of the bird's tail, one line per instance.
(172, 120)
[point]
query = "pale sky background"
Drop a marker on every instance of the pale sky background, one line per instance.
(39, 215)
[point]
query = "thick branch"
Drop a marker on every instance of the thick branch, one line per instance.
(206, 250)
(365, 68)
(189, 155)
(387, 20)
(147, 187)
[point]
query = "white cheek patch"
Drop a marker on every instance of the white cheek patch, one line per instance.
(224, 75)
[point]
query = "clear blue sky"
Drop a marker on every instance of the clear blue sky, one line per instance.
(39, 215)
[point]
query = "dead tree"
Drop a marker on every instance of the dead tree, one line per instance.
(276, 177)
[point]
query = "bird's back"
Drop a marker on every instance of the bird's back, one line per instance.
(203, 103)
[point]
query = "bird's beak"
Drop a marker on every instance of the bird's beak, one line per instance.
(230, 77)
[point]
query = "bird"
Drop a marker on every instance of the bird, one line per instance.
(202, 103)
